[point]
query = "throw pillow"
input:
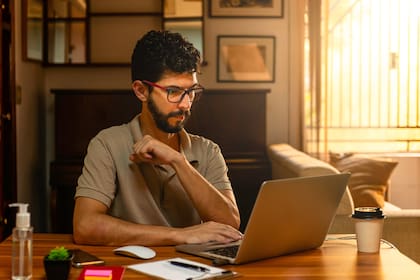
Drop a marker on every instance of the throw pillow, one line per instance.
(368, 182)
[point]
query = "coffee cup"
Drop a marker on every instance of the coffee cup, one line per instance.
(369, 223)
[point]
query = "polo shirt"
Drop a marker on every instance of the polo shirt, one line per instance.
(142, 192)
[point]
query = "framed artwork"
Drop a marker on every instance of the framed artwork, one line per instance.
(245, 58)
(246, 8)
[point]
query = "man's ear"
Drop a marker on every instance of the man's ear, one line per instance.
(140, 90)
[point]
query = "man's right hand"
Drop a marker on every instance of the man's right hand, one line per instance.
(208, 231)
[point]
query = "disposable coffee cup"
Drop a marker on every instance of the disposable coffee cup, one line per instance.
(369, 222)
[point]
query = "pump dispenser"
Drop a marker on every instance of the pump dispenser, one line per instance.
(22, 243)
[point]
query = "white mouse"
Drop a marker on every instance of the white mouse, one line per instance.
(135, 251)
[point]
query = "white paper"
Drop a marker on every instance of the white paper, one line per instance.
(165, 270)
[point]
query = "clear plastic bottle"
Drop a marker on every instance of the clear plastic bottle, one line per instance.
(22, 244)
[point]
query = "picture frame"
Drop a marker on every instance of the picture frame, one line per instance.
(255, 8)
(245, 58)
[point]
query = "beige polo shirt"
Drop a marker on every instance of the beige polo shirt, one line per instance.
(141, 192)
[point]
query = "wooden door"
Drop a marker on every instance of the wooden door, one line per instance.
(7, 120)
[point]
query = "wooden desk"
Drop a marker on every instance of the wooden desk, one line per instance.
(336, 259)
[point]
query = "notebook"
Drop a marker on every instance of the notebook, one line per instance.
(289, 215)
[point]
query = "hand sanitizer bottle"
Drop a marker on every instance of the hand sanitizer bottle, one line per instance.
(22, 244)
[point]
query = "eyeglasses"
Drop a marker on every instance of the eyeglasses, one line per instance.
(176, 94)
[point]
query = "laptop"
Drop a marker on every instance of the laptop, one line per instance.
(289, 215)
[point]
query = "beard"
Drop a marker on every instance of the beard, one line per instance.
(161, 119)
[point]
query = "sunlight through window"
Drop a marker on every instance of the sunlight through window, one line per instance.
(370, 95)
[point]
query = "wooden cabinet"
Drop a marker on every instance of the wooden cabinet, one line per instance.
(79, 116)
(235, 119)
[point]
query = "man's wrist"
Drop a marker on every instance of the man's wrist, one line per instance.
(175, 236)
(179, 161)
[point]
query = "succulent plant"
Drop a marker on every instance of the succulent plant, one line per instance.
(58, 254)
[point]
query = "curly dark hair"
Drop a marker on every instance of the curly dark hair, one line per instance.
(161, 51)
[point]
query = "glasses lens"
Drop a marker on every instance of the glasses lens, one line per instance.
(196, 92)
(174, 94)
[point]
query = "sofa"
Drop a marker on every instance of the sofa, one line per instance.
(401, 226)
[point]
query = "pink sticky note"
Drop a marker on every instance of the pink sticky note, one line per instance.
(98, 272)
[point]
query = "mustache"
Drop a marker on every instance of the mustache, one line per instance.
(179, 113)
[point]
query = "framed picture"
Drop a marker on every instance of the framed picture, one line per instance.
(246, 8)
(245, 58)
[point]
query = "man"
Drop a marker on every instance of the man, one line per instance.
(149, 182)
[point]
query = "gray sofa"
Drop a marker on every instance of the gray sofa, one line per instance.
(402, 226)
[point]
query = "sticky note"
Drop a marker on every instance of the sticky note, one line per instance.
(98, 274)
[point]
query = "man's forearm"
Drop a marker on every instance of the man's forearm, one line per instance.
(102, 229)
(211, 204)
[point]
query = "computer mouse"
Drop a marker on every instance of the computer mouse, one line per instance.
(135, 251)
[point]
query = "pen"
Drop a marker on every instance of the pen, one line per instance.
(216, 275)
(190, 266)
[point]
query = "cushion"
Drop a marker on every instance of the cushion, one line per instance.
(368, 182)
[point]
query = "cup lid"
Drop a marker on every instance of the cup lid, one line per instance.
(368, 213)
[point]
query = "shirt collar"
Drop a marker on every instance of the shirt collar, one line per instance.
(186, 147)
(185, 139)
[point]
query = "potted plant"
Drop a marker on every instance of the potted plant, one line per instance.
(57, 263)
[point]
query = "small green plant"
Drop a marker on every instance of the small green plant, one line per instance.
(58, 254)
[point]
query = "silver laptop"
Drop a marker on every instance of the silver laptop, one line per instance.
(289, 215)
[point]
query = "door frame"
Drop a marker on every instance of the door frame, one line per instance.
(8, 172)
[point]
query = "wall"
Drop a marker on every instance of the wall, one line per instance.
(31, 133)
(36, 129)
(277, 105)
(278, 100)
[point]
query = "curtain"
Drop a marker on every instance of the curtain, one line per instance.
(314, 121)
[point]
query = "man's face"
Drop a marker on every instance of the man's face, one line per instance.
(163, 120)
(171, 117)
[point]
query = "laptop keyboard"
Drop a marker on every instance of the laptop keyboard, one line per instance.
(226, 251)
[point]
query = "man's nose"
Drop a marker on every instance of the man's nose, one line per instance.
(185, 101)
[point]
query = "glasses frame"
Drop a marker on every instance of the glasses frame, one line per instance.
(184, 93)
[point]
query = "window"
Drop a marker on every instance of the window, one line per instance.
(365, 96)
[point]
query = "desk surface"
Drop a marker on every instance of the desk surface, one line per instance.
(336, 259)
